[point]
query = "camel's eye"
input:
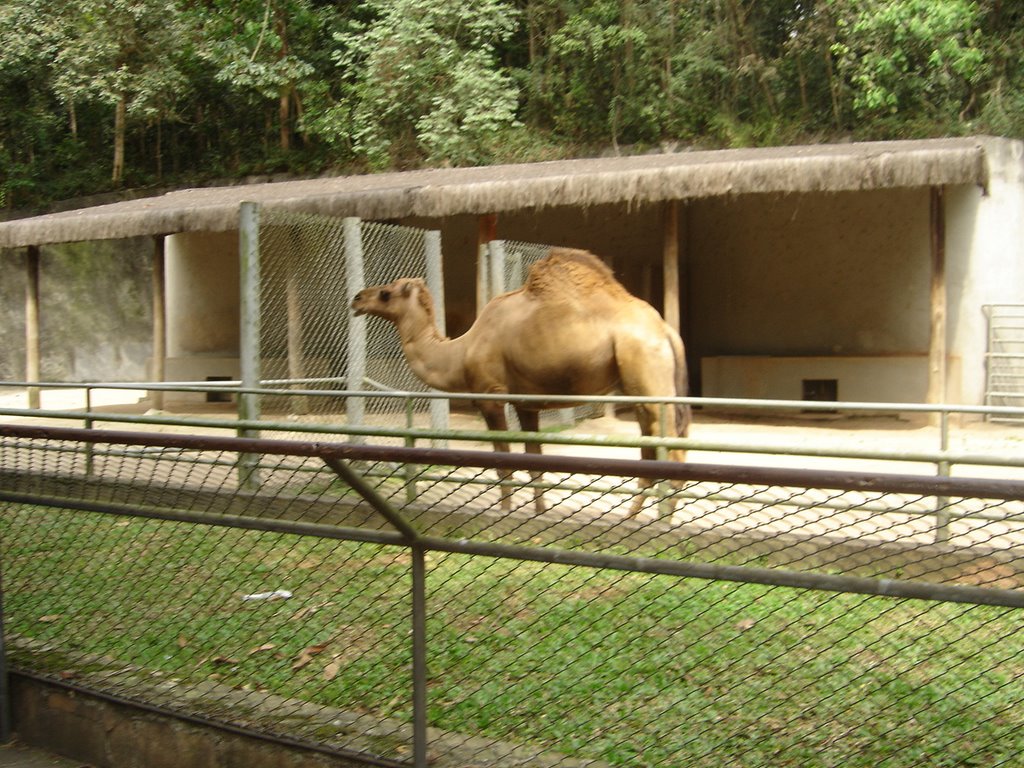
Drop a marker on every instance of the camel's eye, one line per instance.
(385, 295)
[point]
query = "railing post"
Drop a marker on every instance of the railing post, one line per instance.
(90, 449)
(420, 742)
(942, 516)
(249, 335)
(410, 442)
(5, 689)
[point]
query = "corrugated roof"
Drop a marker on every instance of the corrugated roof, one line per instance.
(494, 189)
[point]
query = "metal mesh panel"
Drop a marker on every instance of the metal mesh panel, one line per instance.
(512, 264)
(304, 317)
(724, 623)
(391, 252)
(307, 279)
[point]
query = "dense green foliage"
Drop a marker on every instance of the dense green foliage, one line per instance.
(100, 94)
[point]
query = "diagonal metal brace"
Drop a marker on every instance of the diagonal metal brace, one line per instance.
(358, 483)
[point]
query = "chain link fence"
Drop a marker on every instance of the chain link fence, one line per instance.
(310, 268)
(743, 617)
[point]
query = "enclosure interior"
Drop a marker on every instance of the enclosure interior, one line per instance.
(783, 296)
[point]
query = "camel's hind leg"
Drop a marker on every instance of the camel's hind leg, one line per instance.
(647, 368)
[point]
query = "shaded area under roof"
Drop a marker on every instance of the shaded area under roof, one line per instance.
(494, 189)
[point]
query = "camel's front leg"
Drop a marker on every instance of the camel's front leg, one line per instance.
(530, 422)
(494, 414)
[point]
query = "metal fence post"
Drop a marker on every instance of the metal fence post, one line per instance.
(483, 277)
(419, 655)
(355, 407)
(496, 268)
(249, 338)
(435, 283)
(5, 688)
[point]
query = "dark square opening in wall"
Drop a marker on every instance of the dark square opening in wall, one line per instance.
(216, 396)
(821, 390)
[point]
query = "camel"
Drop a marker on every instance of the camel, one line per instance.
(572, 329)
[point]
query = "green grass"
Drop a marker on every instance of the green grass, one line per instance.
(631, 669)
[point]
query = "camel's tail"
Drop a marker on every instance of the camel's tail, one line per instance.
(683, 415)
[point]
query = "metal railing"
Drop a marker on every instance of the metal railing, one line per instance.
(415, 431)
(150, 574)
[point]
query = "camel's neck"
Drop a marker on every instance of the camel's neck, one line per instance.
(435, 359)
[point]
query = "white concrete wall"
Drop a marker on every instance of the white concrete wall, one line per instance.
(810, 275)
(202, 305)
(985, 262)
(894, 379)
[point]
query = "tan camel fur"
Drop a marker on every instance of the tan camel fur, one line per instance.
(572, 329)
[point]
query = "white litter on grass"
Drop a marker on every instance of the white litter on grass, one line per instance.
(277, 594)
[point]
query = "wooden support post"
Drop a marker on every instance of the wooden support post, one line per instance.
(670, 263)
(156, 396)
(32, 351)
(937, 351)
(487, 230)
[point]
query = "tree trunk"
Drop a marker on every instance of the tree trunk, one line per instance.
(283, 114)
(120, 113)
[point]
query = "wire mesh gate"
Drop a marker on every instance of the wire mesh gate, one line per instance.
(309, 267)
(338, 609)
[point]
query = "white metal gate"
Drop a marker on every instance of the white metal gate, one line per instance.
(1004, 359)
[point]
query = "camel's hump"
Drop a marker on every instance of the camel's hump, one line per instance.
(563, 268)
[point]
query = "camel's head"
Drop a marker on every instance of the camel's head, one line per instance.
(390, 301)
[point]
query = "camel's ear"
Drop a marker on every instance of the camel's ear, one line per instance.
(410, 283)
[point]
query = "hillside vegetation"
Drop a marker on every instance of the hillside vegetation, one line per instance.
(98, 95)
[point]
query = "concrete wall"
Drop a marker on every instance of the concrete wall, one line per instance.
(202, 306)
(985, 262)
(775, 278)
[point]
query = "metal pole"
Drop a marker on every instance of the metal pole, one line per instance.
(487, 230)
(670, 262)
(355, 407)
(5, 690)
(32, 353)
(496, 249)
(483, 277)
(249, 338)
(419, 656)
(942, 516)
(439, 409)
(938, 345)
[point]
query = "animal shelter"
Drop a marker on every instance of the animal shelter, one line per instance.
(857, 272)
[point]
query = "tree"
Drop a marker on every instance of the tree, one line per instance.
(420, 78)
(267, 48)
(916, 58)
(122, 54)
